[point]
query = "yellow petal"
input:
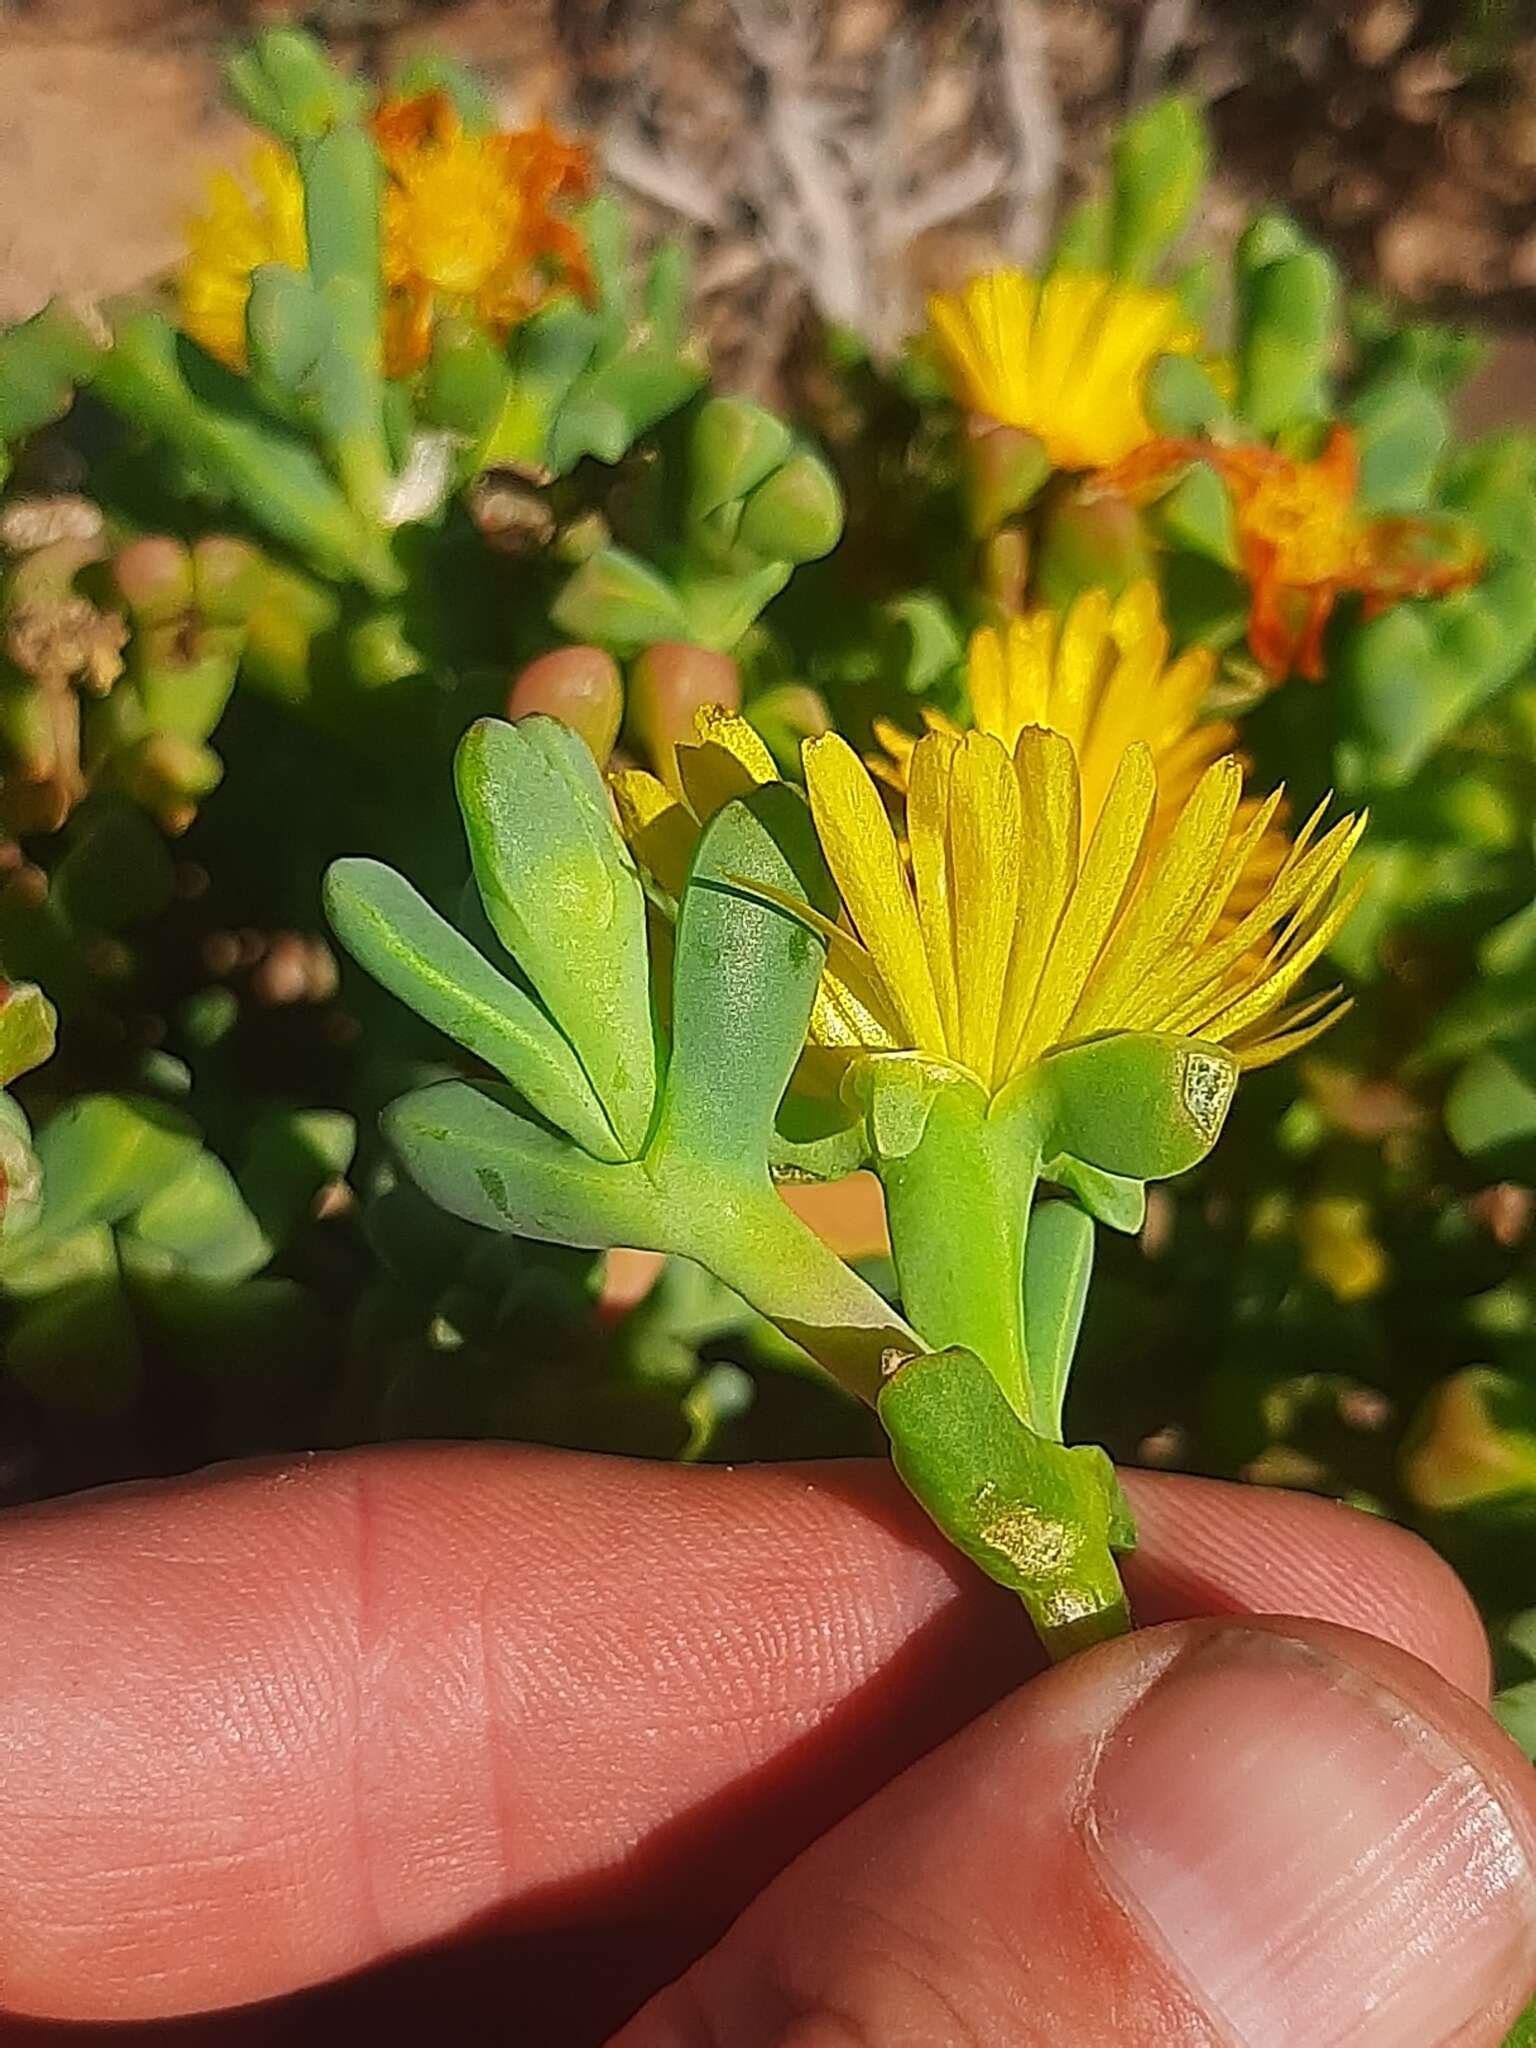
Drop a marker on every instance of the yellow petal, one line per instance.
(1108, 870)
(713, 723)
(660, 832)
(1209, 987)
(1274, 988)
(861, 851)
(985, 846)
(1138, 615)
(1080, 658)
(928, 817)
(1049, 797)
(1065, 321)
(986, 679)
(715, 772)
(1292, 1030)
(1168, 898)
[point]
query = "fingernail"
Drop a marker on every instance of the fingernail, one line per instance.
(1313, 1860)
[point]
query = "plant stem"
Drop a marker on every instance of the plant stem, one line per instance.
(958, 1207)
(749, 1238)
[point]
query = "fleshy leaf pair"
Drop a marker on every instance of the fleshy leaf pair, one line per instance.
(639, 1134)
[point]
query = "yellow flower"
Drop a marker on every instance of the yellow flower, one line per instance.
(1101, 677)
(467, 222)
(468, 227)
(242, 229)
(1015, 927)
(1066, 360)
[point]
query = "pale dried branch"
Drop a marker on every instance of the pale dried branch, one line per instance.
(953, 193)
(1165, 29)
(665, 180)
(1033, 117)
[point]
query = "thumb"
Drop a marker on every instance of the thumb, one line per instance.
(1204, 1833)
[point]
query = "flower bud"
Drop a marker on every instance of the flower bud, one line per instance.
(169, 775)
(668, 684)
(230, 576)
(154, 578)
(581, 687)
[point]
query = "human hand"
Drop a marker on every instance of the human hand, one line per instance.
(540, 1727)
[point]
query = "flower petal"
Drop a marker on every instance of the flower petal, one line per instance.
(861, 851)
(660, 831)
(1049, 802)
(1108, 871)
(985, 849)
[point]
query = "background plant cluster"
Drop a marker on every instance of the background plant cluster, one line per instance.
(245, 616)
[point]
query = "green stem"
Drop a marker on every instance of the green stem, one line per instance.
(749, 1238)
(958, 1207)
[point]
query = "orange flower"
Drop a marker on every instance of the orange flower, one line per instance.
(468, 225)
(1305, 541)
(467, 228)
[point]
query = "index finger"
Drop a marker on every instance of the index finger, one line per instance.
(268, 1726)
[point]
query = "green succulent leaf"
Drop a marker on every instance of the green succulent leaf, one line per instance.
(78, 1348)
(1138, 1104)
(285, 83)
(467, 381)
(919, 639)
(418, 956)
(198, 1223)
(1160, 162)
(796, 515)
(1182, 397)
(104, 1156)
(1403, 430)
(292, 1155)
(476, 1157)
(736, 446)
(165, 388)
(745, 976)
(1491, 1106)
(718, 610)
(1288, 316)
(612, 406)
(563, 896)
(41, 362)
(1041, 1519)
(621, 603)
(1109, 1198)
